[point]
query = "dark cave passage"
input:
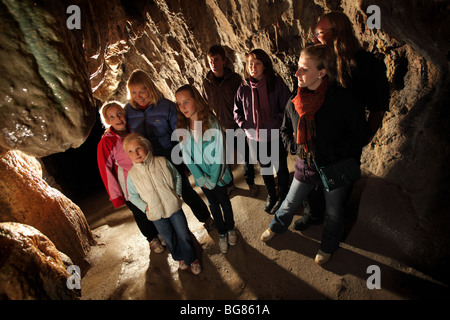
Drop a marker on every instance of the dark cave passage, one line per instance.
(76, 170)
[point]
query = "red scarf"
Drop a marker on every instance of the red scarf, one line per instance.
(306, 103)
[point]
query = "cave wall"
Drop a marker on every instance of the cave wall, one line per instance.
(50, 90)
(407, 160)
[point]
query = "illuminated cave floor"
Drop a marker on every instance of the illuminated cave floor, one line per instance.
(122, 267)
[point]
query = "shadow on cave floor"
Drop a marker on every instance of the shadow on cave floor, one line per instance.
(122, 267)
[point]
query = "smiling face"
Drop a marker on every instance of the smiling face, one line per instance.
(309, 76)
(255, 67)
(186, 104)
(116, 118)
(136, 151)
(140, 95)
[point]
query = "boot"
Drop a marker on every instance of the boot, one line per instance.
(270, 203)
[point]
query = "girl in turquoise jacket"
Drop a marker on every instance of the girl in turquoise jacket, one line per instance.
(203, 151)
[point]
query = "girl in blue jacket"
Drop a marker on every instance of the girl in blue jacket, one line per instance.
(203, 151)
(155, 118)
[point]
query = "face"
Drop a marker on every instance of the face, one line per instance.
(323, 32)
(115, 118)
(136, 151)
(186, 103)
(140, 94)
(308, 75)
(216, 63)
(255, 67)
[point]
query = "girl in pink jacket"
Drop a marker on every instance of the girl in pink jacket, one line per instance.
(114, 163)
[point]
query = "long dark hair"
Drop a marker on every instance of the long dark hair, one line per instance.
(262, 56)
(345, 44)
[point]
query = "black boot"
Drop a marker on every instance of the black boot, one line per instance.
(277, 205)
(307, 220)
(270, 203)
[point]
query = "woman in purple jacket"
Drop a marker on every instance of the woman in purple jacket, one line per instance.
(258, 109)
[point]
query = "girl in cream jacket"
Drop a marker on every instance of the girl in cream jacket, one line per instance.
(154, 186)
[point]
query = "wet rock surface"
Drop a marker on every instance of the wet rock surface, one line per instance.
(46, 105)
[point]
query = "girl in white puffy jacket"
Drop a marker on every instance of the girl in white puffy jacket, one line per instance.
(154, 186)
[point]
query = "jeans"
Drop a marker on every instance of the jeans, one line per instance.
(177, 236)
(146, 226)
(333, 230)
(219, 203)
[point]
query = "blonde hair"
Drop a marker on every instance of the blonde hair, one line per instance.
(104, 108)
(141, 78)
(325, 57)
(203, 110)
(136, 137)
(345, 44)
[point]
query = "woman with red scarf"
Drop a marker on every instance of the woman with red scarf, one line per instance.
(327, 127)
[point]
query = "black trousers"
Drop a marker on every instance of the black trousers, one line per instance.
(146, 226)
(191, 197)
(263, 152)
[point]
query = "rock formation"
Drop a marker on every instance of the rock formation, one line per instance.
(55, 76)
(31, 268)
(26, 198)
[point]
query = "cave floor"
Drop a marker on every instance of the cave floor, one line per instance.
(123, 268)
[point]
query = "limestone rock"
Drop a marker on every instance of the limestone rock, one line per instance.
(30, 266)
(26, 198)
(46, 104)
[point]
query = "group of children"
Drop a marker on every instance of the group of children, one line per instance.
(321, 123)
(134, 158)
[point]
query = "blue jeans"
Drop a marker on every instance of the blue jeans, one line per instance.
(333, 230)
(175, 233)
(219, 203)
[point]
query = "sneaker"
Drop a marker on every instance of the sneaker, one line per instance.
(209, 224)
(270, 202)
(223, 243)
(195, 267)
(253, 190)
(232, 237)
(304, 222)
(182, 265)
(267, 235)
(322, 257)
(156, 246)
